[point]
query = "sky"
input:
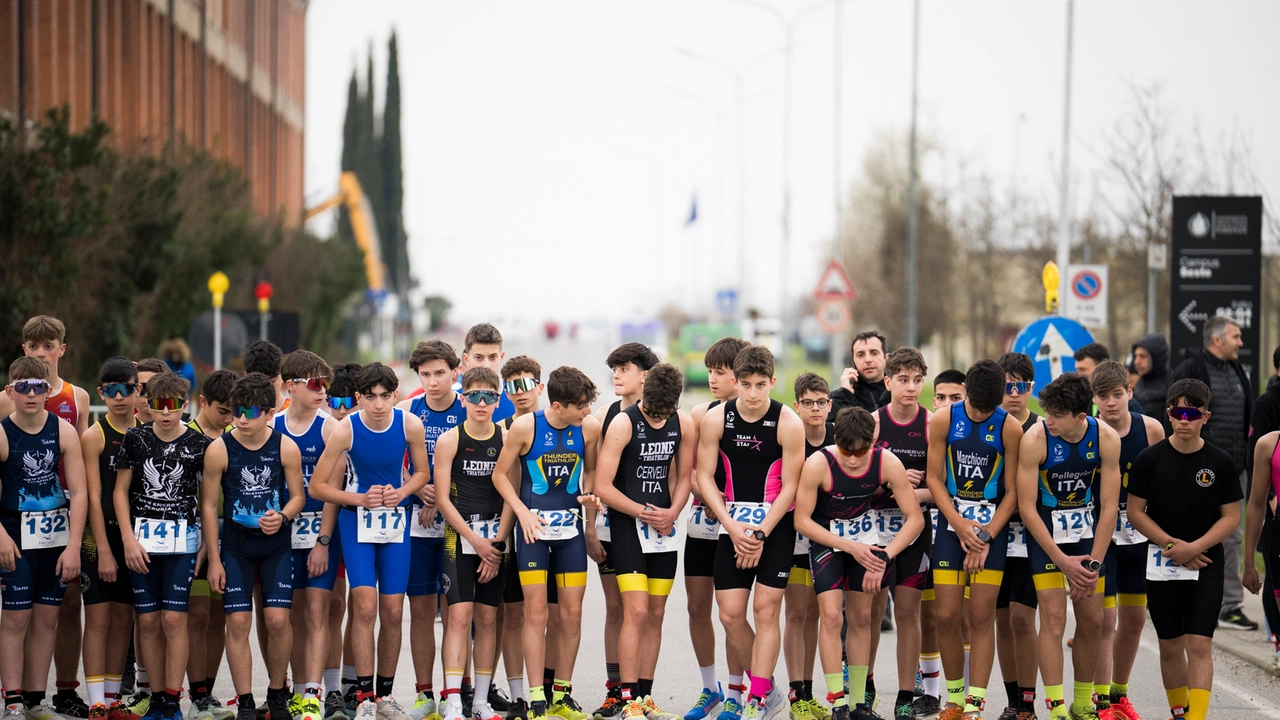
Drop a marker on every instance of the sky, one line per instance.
(553, 150)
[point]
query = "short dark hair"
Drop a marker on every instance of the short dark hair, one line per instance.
(344, 380)
(262, 356)
(870, 335)
(482, 334)
(118, 370)
(169, 385)
(375, 374)
(522, 364)
(753, 360)
(637, 354)
(811, 382)
(854, 428)
(1275, 358)
(1095, 351)
(570, 386)
(1108, 376)
(28, 368)
(662, 388)
(1193, 391)
(723, 351)
(217, 386)
(904, 358)
(480, 376)
(984, 386)
(950, 376)
(253, 390)
(1018, 365)
(303, 365)
(43, 328)
(1068, 394)
(432, 350)
(152, 365)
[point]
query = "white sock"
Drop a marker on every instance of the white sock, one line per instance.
(333, 680)
(932, 663)
(708, 676)
(483, 678)
(516, 684)
(454, 683)
(141, 677)
(732, 692)
(348, 678)
(966, 670)
(111, 688)
(97, 688)
(312, 689)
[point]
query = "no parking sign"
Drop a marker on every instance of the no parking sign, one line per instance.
(1087, 295)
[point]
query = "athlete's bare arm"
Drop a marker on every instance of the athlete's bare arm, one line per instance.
(894, 475)
(82, 414)
(215, 464)
(519, 441)
(291, 461)
(791, 438)
(936, 477)
(73, 471)
(591, 441)
(709, 435)
(682, 465)
(1031, 453)
(416, 436)
(615, 441)
(699, 411)
(327, 477)
(1108, 489)
(91, 445)
(1012, 433)
(816, 475)
(1263, 451)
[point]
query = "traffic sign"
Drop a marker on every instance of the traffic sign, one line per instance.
(1051, 342)
(835, 283)
(833, 315)
(1087, 295)
(727, 301)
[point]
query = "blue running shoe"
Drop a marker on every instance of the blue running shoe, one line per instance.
(707, 704)
(732, 710)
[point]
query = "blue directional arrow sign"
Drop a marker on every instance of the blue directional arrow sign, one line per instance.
(1051, 342)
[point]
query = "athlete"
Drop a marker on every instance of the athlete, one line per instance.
(372, 525)
(440, 409)
(340, 678)
(1266, 477)
(700, 544)
(1068, 485)
(263, 356)
(312, 533)
(41, 529)
(482, 347)
(630, 363)
(834, 509)
(902, 427)
(257, 470)
(556, 452)
(762, 445)
(156, 490)
(1126, 579)
(970, 443)
(1183, 497)
(1017, 645)
(645, 468)
(479, 525)
(108, 591)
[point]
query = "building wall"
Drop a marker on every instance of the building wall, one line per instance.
(226, 76)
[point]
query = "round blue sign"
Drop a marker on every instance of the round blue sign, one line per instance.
(1051, 342)
(1086, 284)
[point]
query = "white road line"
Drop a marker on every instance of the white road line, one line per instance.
(1263, 709)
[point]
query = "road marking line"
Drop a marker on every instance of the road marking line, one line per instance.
(1264, 710)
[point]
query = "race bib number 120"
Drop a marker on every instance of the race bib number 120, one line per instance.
(1071, 526)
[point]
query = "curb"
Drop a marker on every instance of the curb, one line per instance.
(1245, 652)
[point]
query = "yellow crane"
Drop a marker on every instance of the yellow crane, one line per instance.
(360, 213)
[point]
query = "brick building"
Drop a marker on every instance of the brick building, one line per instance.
(222, 75)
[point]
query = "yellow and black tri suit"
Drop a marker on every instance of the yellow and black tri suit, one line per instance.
(975, 480)
(550, 484)
(1066, 502)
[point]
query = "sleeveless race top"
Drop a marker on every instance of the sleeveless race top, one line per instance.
(1069, 472)
(552, 469)
(751, 455)
(253, 482)
(471, 487)
(975, 455)
(850, 496)
(311, 444)
(30, 475)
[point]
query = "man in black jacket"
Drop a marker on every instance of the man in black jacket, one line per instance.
(863, 384)
(1231, 411)
(1151, 360)
(1266, 411)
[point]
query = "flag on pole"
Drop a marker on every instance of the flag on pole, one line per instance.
(693, 211)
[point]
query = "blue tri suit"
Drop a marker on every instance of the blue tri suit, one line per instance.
(975, 479)
(375, 458)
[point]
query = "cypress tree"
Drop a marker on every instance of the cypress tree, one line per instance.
(391, 219)
(350, 130)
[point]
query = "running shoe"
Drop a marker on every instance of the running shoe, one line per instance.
(139, 704)
(800, 711)
(171, 712)
(389, 709)
(12, 714)
(352, 703)
(468, 697)
(708, 702)
(43, 711)
(951, 712)
(246, 713)
(927, 707)
(452, 709)
(498, 699)
(774, 703)
(98, 711)
(423, 705)
(519, 710)
(538, 710)
(819, 710)
(335, 708)
(1106, 713)
(632, 710)
(731, 710)
(1008, 713)
(567, 709)
(119, 712)
(1082, 714)
(1026, 715)
(220, 712)
(1124, 710)
(612, 706)
(840, 712)
(199, 709)
(485, 711)
(1236, 620)
(278, 707)
(864, 712)
(905, 711)
(295, 706)
(653, 712)
(70, 705)
(311, 709)
(366, 709)
(753, 710)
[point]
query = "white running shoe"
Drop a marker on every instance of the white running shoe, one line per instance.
(43, 711)
(774, 703)
(484, 711)
(453, 708)
(389, 709)
(423, 707)
(366, 710)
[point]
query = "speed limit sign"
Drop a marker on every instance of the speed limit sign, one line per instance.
(833, 315)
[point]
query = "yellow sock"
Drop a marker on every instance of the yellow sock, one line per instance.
(975, 701)
(835, 688)
(1082, 696)
(1179, 699)
(537, 693)
(1199, 704)
(1119, 690)
(1057, 705)
(1102, 694)
(559, 688)
(955, 692)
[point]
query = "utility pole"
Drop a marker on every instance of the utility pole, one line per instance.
(1064, 221)
(913, 186)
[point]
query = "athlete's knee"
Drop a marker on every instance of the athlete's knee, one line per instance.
(765, 613)
(832, 616)
(699, 605)
(391, 612)
(198, 615)
(147, 622)
(364, 607)
(733, 616)
(948, 615)
(797, 612)
(1053, 618)
(16, 621)
(571, 616)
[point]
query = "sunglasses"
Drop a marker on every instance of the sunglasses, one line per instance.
(118, 389)
(1022, 387)
(314, 384)
(656, 415)
(252, 412)
(1189, 414)
(819, 403)
(520, 385)
(475, 397)
(26, 387)
(861, 452)
(345, 402)
(160, 405)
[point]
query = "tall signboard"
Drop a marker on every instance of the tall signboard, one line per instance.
(1217, 270)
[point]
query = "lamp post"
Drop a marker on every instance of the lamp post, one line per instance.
(218, 284)
(262, 291)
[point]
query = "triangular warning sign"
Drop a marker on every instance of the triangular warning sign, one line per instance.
(835, 283)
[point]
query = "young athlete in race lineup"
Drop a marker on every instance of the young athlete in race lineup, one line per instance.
(290, 484)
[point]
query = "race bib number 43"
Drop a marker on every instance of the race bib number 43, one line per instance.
(560, 524)
(48, 529)
(380, 525)
(306, 529)
(979, 511)
(161, 537)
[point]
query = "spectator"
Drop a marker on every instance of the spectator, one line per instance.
(177, 356)
(863, 384)
(1231, 410)
(1151, 360)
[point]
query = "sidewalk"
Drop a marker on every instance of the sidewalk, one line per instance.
(1250, 646)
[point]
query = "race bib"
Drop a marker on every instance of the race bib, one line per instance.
(652, 541)
(888, 522)
(1017, 540)
(47, 529)
(979, 511)
(1161, 568)
(602, 527)
(933, 524)
(560, 524)
(861, 529)
(802, 545)
(418, 530)
(1126, 534)
(161, 537)
(487, 529)
(306, 529)
(1071, 525)
(701, 525)
(380, 525)
(752, 514)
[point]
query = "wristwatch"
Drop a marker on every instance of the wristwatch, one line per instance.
(984, 536)
(1094, 565)
(881, 554)
(323, 540)
(501, 545)
(754, 533)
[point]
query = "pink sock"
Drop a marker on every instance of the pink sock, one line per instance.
(760, 687)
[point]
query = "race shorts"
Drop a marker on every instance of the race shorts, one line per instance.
(426, 561)
(200, 585)
(565, 560)
(462, 572)
(833, 570)
(1126, 574)
(948, 558)
(1045, 574)
(512, 590)
(34, 578)
(94, 590)
(1186, 607)
(774, 568)
(699, 557)
(637, 570)
(911, 567)
(1016, 586)
(166, 584)
(302, 579)
(249, 555)
(384, 566)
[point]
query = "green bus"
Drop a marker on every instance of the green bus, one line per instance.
(695, 338)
